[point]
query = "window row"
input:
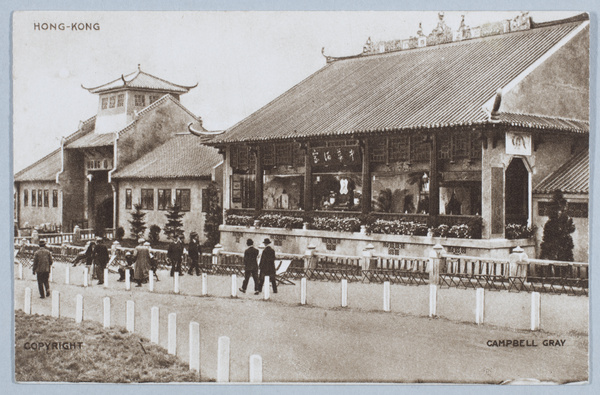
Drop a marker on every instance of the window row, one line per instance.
(165, 199)
(140, 100)
(113, 101)
(40, 198)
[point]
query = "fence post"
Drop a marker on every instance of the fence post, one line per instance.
(535, 311)
(172, 329)
(20, 273)
(154, 324)
(310, 261)
(234, 286)
(150, 280)
(194, 350)
(50, 275)
(216, 254)
(55, 304)
(386, 296)
(176, 283)
(436, 261)
(267, 288)
(67, 274)
(76, 234)
(204, 290)
(106, 278)
(130, 316)
(432, 300)
(367, 261)
(479, 305)
(518, 263)
(35, 237)
(344, 292)
(78, 308)
(255, 368)
(27, 303)
(127, 280)
(106, 321)
(303, 291)
(85, 276)
(223, 360)
(114, 247)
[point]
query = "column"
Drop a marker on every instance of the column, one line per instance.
(366, 178)
(434, 182)
(307, 179)
(258, 195)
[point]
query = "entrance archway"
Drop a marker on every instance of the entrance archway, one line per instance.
(516, 192)
(104, 214)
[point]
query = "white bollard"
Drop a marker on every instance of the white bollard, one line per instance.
(105, 278)
(106, 322)
(151, 281)
(223, 360)
(234, 286)
(535, 311)
(127, 280)
(344, 292)
(176, 283)
(79, 308)
(55, 304)
(50, 275)
(204, 290)
(130, 316)
(432, 300)
(172, 342)
(27, 304)
(67, 274)
(85, 276)
(154, 325)
(267, 288)
(303, 291)
(194, 346)
(20, 274)
(255, 368)
(386, 296)
(479, 304)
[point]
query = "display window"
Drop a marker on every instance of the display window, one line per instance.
(337, 191)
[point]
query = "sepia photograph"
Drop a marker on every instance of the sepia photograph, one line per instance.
(301, 197)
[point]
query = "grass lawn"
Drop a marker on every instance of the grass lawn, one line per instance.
(106, 355)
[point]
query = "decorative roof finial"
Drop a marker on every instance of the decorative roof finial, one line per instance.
(420, 31)
(139, 67)
(441, 15)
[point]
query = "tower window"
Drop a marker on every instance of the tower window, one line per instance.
(104, 103)
(140, 100)
(120, 100)
(112, 102)
(152, 99)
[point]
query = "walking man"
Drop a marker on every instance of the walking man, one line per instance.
(174, 255)
(42, 261)
(194, 252)
(267, 266)
(250, 267)
(100, 260)
(141, 256)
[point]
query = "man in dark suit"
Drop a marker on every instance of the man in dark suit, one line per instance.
(100, 259)
(194, 252)
(175, 254)
(42, 261)
(250, 267)
(267, 266)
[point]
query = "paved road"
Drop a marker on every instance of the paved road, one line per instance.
(323, 342)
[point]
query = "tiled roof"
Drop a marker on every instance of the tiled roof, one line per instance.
(140, 80)
(572, 177)
(183, 156)
(46, 168)
(430, 87)
(544, 123)
(93, 140)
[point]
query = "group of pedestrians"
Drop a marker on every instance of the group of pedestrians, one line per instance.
(95, 255)
(257, 271)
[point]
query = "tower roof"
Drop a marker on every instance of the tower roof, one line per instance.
(140, 80)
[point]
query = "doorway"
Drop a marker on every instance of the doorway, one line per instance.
(516, 193)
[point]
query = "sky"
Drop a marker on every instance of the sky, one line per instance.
(241, 60)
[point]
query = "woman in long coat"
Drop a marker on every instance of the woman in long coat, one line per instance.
(141, 255)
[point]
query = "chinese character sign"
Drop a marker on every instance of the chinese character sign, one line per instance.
(335, 156)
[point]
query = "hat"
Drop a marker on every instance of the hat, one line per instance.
(266, 241)
(193, 234)
(98, 238)
(249, 242)
(141, 240)
(42, 243)
(128, 253)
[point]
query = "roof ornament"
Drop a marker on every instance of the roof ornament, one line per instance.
(521, 22)
(463, 32)
(202, 133)
(495, 113)
(420, 31)
(442, 33)
(328, 59)
(124, 82)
